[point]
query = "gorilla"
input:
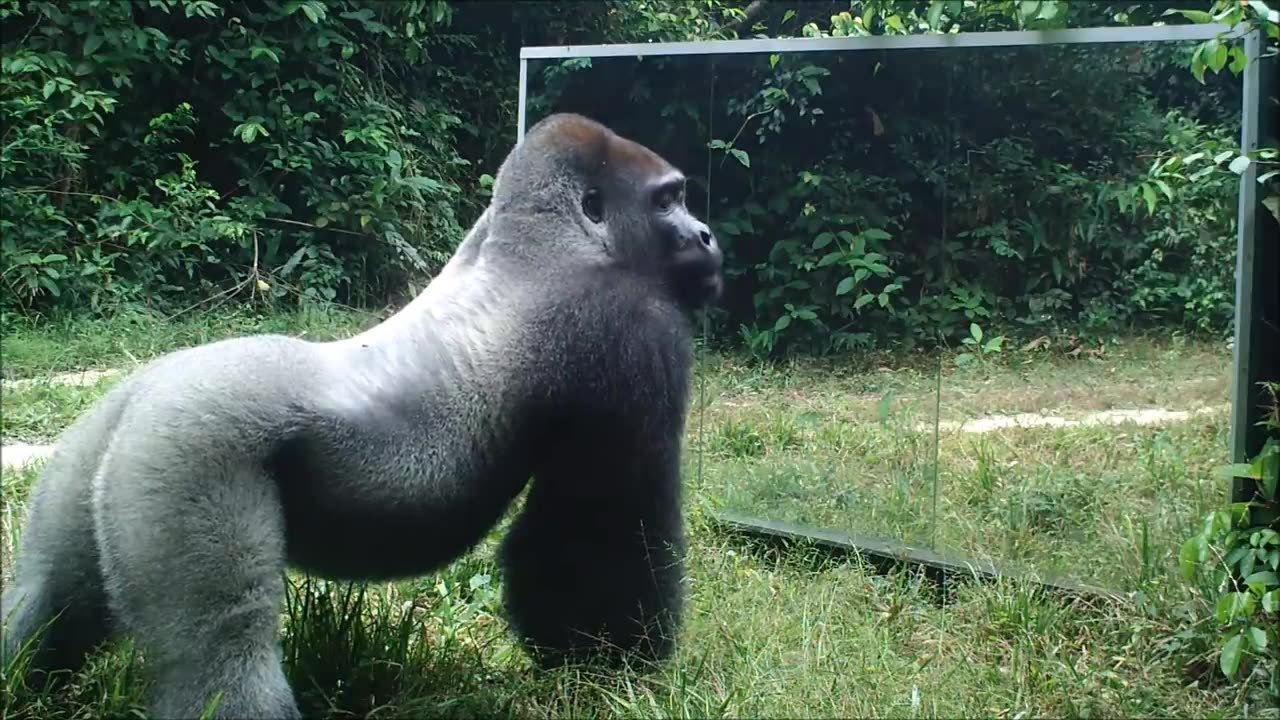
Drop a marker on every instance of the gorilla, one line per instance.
(553, 350)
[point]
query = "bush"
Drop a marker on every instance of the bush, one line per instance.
(160, 152)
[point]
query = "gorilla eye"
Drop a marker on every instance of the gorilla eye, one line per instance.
(593, 205)
(665, 198)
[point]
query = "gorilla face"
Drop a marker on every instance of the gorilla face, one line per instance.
(629, 200)
(654, 232)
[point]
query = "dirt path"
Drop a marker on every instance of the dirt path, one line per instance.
(1146, 416)
(75, 377)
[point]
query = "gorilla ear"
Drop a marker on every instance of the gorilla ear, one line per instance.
(593, 205)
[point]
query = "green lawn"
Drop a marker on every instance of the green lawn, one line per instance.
(835, 443)
(853, 449)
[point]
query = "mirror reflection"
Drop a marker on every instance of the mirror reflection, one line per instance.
(1089, 275)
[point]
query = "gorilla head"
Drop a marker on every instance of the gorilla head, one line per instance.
(630, 205)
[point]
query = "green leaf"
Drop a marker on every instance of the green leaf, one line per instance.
(1236, 554)
(1257, 638)
(1271, 601)
(1252, 471)
(863, 300)
(1189, 557)
(741, 156)
(256, 52)
(823, 240)
(883, 298)
(875, 234)
(1149, 195)
(845, 286)
(1270, 479)
(782, 324)
(50, 285)
(1195, 16)
(1234, 606)
(1272, 204)
(92, 43)
(1222, 156)
(293, 261)
(1239, 165)
(50, 87)
(935, 13)
(1238, 60)
(1231, 653)
(830, 259)
(975, 331)
(1218, 58)
(1266, 577)
(1268, 175)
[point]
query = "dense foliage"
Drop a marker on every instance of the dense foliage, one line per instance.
(177, 152)
(1234, 560)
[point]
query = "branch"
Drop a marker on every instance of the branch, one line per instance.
(299, 223)
(747, 16)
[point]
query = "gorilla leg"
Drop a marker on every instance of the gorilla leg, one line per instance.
(55, 604)
(195, 564)
(592, 566)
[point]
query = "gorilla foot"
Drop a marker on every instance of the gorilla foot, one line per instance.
(259, 690)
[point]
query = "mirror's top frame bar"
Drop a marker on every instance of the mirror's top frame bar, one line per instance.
(1012, 38)
(1145, 33)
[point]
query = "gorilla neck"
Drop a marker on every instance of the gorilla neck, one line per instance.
(538, 239)
(454, 344)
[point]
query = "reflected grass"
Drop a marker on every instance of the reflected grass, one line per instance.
(1105, 504)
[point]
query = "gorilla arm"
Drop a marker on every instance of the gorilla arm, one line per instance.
(592, 565)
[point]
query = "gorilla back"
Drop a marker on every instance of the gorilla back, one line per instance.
(552, 346)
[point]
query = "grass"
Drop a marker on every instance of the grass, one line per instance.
(785, 634)
(854, 449)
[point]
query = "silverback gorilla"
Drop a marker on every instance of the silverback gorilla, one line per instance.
(552, 346)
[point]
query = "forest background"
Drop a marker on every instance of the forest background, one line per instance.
(169, 154)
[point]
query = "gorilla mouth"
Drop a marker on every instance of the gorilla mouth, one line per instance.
(712, 287)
